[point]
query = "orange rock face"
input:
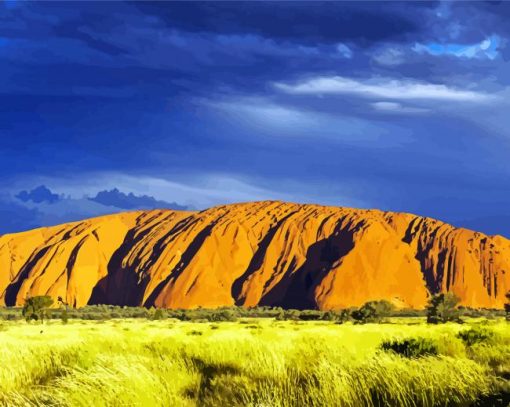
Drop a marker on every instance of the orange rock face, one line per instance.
(262, 253)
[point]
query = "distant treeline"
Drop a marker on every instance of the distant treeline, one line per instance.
(106, 312)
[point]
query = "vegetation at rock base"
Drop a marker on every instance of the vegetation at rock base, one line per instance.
(107, 312)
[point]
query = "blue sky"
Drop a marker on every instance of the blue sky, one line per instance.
(396, 106)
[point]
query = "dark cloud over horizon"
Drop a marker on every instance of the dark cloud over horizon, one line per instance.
(119, 199)
(40, 206)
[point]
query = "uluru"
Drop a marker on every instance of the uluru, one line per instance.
(261, 253)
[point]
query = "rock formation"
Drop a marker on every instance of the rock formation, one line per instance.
(261, 253)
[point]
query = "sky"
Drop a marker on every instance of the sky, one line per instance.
(110, 106)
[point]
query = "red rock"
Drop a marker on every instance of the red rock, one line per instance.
(261, 253)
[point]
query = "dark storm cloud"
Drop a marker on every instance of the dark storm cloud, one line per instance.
(325, 22)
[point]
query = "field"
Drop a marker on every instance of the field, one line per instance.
(254, 362)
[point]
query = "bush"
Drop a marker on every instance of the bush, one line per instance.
(477, 334)
(442, 308)
(292, 314)
(343, 316)
(312, 315)
(329, 316)
(412, 347)
(372, 311)
(223, 315)
(481, 312)
(64, 317)
(280, 316)
(157, 315)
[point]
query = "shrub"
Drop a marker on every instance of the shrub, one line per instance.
(343, 316)
(157, 315)
(64, 316)
(443, 308)
(280, 315)
(481, 312)
(411, 347)
(329, 316)
(373, 311)
(292, 314)
(477, 334)
(312, 315)
(222, 315)
(338, 317)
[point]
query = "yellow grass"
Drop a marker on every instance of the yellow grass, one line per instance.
(251, 362)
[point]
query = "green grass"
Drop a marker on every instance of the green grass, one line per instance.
(255, 362)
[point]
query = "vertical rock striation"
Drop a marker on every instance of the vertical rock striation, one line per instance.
(261, 253)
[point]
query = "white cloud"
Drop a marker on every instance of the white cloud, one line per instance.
(394, 107)
(389, 57)
(275, 119)
(344, 51)
(387, 88)
(264, 112)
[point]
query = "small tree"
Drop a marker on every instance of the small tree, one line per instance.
(64, 316)
(507, 306)
(443, 308)
(36, 308)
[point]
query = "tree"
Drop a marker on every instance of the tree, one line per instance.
(64, 316)
(373, 311)
(36, 308)
(507, 306)
(443, 308)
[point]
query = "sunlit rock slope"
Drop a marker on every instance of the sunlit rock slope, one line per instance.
(261, 253)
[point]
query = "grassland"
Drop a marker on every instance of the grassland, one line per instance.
(253, 362)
